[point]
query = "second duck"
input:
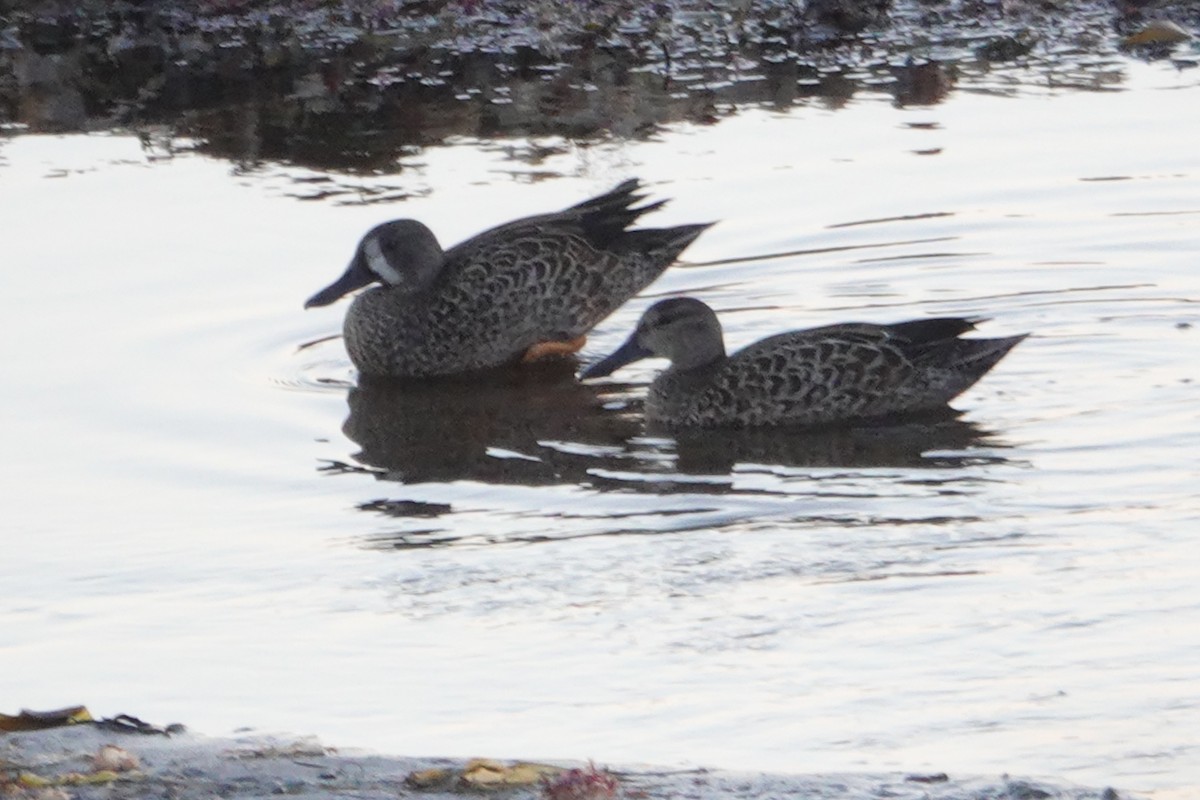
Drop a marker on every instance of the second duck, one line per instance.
(836, 374)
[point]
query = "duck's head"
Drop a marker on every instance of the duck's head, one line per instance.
(682, 329)
(403, 254)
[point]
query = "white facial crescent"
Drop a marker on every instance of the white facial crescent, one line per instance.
(378, 263)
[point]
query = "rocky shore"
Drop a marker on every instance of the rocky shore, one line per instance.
(88, 761)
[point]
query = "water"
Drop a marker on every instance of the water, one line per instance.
(204, 524)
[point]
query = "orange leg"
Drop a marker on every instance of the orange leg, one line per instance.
(553, 349)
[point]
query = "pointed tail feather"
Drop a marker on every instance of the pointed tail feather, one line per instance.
(934, 329)
(968, 360)
(980, 355)
(665, 244)
(619, 196)
(605, 218)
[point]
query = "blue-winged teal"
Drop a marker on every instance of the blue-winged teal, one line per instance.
(524, 289)
(822, 376)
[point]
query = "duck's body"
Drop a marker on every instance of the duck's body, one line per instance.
(830, 375)
(488, 301)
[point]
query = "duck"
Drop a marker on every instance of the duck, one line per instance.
(525, 290)
(835, 375)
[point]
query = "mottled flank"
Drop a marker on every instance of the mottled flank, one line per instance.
(487, 301)
(822, 376)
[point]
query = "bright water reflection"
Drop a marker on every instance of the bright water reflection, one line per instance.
(1010, 591)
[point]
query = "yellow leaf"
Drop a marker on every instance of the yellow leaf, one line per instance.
(525, 774)
(37, 720)
(79, 779)
(31, 781)
(428, 778)
(1158, 32)
(481, 772)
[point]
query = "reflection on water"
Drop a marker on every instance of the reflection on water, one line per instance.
(536, 426)
(540, 427)
(365, 93)
(490, 429)
(932, 444)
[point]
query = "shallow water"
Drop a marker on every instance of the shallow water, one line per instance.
(206, 524)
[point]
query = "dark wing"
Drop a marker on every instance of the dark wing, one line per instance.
(600, 220)
(562, 273)
(814, 377)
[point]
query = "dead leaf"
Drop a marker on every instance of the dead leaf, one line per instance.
(484, 773)
(114, 759)
(1157, 32)
(94, 778)
(30, 781)
(526, 774)
(428, 778)
(39, 720)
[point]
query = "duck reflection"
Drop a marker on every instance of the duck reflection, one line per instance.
(941, 441)
(542, 428)
(539, 426)
(497, 428)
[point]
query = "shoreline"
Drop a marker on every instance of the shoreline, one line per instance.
(353, 85)
(88, 761)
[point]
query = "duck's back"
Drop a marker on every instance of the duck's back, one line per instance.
(829, 375)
